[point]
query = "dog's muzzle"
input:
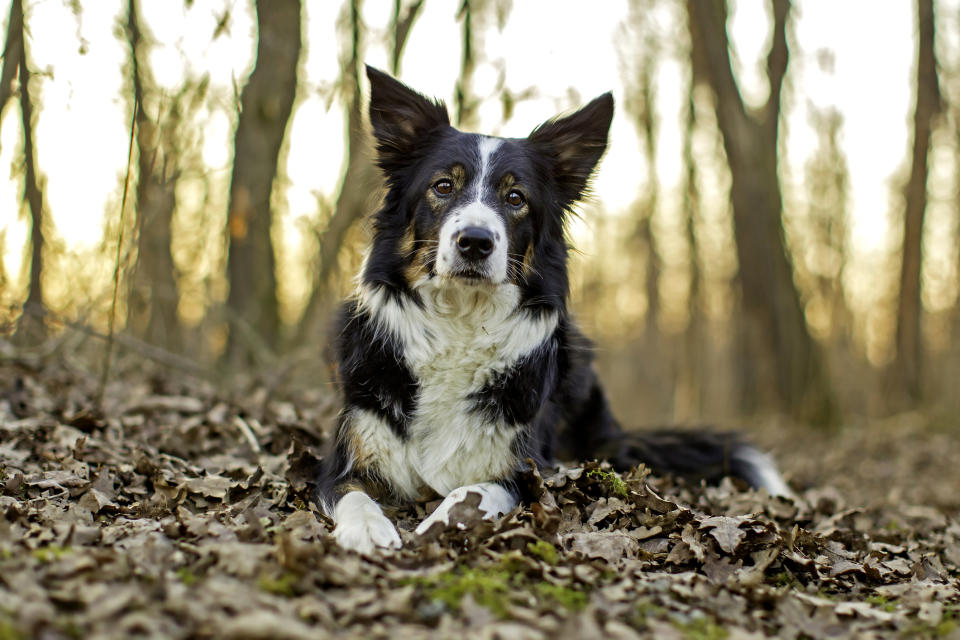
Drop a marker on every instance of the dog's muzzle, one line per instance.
(473, 245)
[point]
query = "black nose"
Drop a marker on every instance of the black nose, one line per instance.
(475, 243)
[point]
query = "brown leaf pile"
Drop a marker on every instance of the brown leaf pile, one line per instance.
(177, 512)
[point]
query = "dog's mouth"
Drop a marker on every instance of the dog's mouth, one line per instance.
(471, 275)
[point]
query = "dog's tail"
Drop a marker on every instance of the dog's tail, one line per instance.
(700, 455)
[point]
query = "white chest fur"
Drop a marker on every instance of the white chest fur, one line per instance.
(453, 344)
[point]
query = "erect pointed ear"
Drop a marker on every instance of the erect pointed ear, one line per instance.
(575, 144)
(400, 116)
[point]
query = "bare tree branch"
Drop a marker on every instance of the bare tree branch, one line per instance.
(777, 59)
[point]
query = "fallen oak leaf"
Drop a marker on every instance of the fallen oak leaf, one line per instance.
(689, 536)
(726, 531)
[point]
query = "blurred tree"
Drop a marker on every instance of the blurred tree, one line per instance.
(474, 17)
(955, 132)
(403, 18)
(11, 53)
(640, 102)
(688, 402)
(775, 325)
(906, 368)
(31, 324)
(265, 105)
(465, 103)
(360, 178)
(827, 182)
(152, 302)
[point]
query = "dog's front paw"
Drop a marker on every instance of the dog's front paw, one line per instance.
(362, 527)
(486, 500)
(367, 534)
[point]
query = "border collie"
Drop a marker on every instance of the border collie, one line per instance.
(458, 357)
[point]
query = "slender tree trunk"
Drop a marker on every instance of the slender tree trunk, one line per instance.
(956, 213)
(359, 180)
(403, 20)
(355, 189)
(266, 103)
(907, 367)
(647, 121)
(769, 297)
(464, 101)
(11, 53)
(31, 324)
(688, 394)
(152, 304)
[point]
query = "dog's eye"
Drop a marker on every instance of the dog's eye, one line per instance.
(515, 199)
(443, 187)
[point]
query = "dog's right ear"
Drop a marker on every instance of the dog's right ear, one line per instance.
(400, 116)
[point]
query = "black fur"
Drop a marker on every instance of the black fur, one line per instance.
(372, 371)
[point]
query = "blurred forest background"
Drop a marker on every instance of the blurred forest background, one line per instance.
(775, 230)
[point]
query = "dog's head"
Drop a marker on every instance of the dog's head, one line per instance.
(477, 210)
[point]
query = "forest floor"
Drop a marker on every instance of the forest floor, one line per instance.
(176, 511)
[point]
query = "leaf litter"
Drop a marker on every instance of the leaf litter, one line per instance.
(180, 511)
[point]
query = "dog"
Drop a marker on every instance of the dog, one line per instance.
(457, 355)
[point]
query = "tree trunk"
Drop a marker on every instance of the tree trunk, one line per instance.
(152, 304)
(688, 396)
(770, 301)
(11, 53)
(359, 180)
(354, 190)
(465, 102)
(265, 106)
(402, 22)
(31, 324)
(645, 115)
(907, 367)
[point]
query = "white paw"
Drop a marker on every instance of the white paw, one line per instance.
(494, 501)
(361, 525)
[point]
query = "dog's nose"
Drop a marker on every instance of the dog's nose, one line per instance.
(475, 243)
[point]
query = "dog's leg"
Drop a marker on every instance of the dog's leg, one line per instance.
(361, 525)
(495, 500)
(343, 491)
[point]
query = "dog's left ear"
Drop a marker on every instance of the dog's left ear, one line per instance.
(575, 143)
(400, 116)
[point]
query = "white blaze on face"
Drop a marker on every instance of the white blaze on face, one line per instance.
(475, 213)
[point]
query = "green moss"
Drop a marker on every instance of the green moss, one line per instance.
(187, 576)
(784, 579)
(49, 554)
(882, 602)
(545, 551)
(494, 586)
(946, 627)
(612, 480)
(644, 609)
(702, 629)
(70, 629)
(282, 585)
(566, 597)
(8, 631)
(489, 587)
